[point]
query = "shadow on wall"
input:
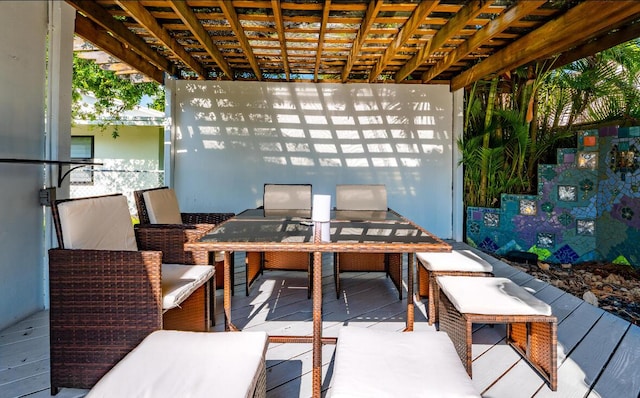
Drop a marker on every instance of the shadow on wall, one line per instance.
(241, 135)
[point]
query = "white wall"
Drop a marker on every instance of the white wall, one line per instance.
(23, 43)
(232, 137)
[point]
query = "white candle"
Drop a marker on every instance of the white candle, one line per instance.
(321, 208)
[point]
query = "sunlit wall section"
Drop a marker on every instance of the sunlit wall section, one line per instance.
(231, 138)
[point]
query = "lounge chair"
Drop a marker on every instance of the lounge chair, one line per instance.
(106, 295)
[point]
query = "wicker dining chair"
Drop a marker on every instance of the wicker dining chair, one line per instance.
(282, 197)
(369, 197)
(106, 295)
(164, 227)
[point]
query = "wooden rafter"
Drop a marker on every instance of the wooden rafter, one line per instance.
(106, 21)
(279, 24)
(369, 17)
(97, 35)
(193, 24)
(231, 15)
(458, 22)
(144, 18)
(581, 21)
(323, 29)
(488, 32)
(416, 19)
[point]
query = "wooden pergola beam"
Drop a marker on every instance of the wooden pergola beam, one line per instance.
(279, 24)
(369, 17)
(492, 29)
(323, 29)
(409, 28)
(121, 33)
(90, 31)
(232, 17)
(458, 22)
(582, 21)
(144, 18)
(191, 21)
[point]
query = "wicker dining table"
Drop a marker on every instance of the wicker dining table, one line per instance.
(255, 230)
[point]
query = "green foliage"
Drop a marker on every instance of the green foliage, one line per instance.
(114, 94)
(518, 120)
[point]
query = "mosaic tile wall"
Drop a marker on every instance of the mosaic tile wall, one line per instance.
(587, 206)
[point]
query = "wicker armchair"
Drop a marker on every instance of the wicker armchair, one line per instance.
(282, 197)
(163, 227)
(370, 198)
(106, 295)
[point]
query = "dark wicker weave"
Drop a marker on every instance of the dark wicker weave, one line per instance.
(428, 287)
(534, 337)
(194, 226)
(104, 302)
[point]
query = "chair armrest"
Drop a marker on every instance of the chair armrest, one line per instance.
(205, 218)
(102, 305)
(170, 240)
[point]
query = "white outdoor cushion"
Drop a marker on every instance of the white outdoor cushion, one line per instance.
(287, 197)
(456, 260)
(100, 223)
(361, 197)
(490, 296)
(179, 281)
(174, 364)
(381, 364)
(162, 206)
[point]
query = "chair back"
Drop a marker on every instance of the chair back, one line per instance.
(287, 197)
(361, 197)
(161, 206)
(94, 223)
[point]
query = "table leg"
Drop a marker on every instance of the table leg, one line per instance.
(410, 305)
(317, 325)
(228, 326)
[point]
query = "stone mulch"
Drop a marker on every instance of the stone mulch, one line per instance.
(614, 288)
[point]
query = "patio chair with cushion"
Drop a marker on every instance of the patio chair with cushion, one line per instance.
(170, 364)
(286, 200)
(106, 295)
(163, 227)
(360, 198)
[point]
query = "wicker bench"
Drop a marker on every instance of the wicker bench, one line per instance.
(531, 327)
(455, 263)
(180, 364)
(380, 363)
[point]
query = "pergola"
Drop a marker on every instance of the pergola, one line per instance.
(456, 42)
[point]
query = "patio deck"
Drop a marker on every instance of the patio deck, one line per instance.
(598, 353)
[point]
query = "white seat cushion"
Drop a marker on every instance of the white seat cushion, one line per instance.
(179, 281)
(378, 363)
(162, 206)
(490, 296)
(187, 364)
(361, 197)
(100, 223)
(287, 197)
(456, 260)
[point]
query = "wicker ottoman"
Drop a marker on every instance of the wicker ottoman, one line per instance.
(190, 364)
(455, 263)
(531, 327)
(386, 364)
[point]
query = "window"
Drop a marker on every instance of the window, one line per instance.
(82, 149)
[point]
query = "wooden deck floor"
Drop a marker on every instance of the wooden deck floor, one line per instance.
(598, 353)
